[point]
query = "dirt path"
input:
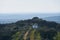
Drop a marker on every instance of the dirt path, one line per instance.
(26, 34)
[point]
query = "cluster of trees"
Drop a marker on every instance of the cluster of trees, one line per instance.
(7, 30)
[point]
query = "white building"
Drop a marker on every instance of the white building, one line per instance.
(35, 25)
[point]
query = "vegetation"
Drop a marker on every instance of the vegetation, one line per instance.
(58, 36)
(32, 34)
(23, 29)
(16, 36)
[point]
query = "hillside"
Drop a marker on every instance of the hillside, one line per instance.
(30, 29)
(53, 18)
(9, 18)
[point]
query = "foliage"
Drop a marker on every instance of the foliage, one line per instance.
(13, 31)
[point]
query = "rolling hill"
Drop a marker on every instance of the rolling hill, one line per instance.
(10, 18)
(53, 18)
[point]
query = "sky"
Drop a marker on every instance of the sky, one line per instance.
(29, 6)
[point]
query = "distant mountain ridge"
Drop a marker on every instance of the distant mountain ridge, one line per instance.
(10, 18)
(53, 18)
(3, 21)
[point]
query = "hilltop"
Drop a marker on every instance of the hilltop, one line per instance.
(23, 29)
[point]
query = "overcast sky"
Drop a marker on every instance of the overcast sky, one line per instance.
(29, 6)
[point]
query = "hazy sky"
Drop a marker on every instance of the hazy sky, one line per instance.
(29, 6)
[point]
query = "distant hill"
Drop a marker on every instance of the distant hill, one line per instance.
(3, 21)
(53, 18)
(10, 18)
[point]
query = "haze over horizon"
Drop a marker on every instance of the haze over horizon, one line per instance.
(9, 18)
(4, 16)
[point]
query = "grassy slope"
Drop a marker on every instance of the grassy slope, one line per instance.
(38, 36)
(16, 36)
(32, 35)
(58, 36)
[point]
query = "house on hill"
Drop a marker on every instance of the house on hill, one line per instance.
(35, 25)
